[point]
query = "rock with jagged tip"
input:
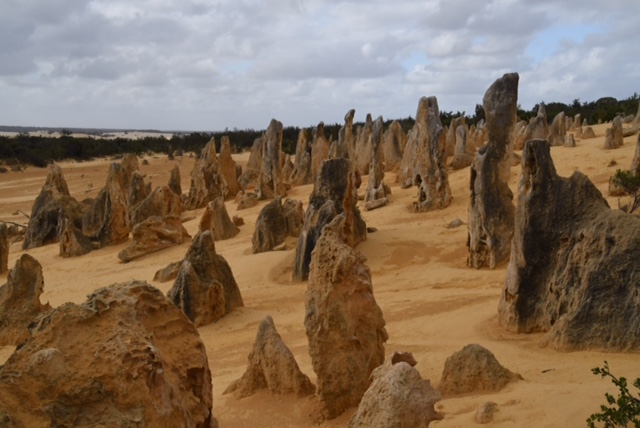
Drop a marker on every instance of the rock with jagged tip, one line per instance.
(4, 248)
(519, 134)
(587, 133)
(577, 122)
(249, 177)
(343, 322)
(175, 182)
(246, 200)
(333, 193)
(463, 154)
(394, 141)
(228, 167)
(491, 208)
(406, 172)
(275, 222)
(573, 269)
(168, 272)
(557, 130)
(319, 149)
(20, 300)
(271, 366)
(51, 206)
(429, 170)
(569, 140)
(287, 170)
(270, 182)
(537, 128)
(90, 364)
(205, 288)
(216, 219)
(363, 146)
(207, 181)
(613, 136)
(451, 134)
(398, 397)
(129, 165)
(376, 193)
(301, 173)
(72, 242)
(153, 234)
(161, 202)
(107, 221)
(474, 369)
(345, 147)
(138, 191)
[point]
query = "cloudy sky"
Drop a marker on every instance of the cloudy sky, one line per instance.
(209, 64)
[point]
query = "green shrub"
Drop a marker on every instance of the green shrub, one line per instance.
(630, 183)
(621, 411)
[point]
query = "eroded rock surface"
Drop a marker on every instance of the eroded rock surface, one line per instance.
(557, 130)
(363, 146)
(216, 219)
(376, 194)
(175, 181)
(395, 139)
(228, 167)
(573, 271)
(613, 137)
(275, 222)
(154, 234)
(207, 181)
(270, 182)
(126, 357)
(302, 173)
(319, 149)
(4, 248)
(161, 202)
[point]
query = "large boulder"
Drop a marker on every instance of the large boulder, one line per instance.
(205, 288)
(270, 182)
(302, 173)
(363, 146)
(474, 369)
(271, 366)
(161, 202)
(491, 209)
(574, 270)
(333, 193)
(275, 222)
(376, 193)
(228, 167)
(154, 234)
(216, 219)
(394, 141)
(343, 322)
(397, 397)
(107, 221)
(207, 181)
(20, 300)
(126, 357)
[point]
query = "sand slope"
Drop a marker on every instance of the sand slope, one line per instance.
(432, 303)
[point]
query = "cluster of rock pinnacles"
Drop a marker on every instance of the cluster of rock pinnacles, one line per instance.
(563, 245)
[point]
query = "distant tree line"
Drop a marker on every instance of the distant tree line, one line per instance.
(41, 150)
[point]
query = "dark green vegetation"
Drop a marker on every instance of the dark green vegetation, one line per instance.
(621, 411)
(38, 151)
(630, 183)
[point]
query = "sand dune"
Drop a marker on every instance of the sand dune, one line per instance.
(432, 302)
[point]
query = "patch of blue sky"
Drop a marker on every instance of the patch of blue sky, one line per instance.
(549, 40)
(416, 58)
(235, 67)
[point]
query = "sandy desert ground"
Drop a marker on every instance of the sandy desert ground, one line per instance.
(432, 302)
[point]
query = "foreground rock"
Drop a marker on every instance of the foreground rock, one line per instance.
(207, 181)
(205, 288)
(343, 322)
(154, 234)
(491, 209)
(397, 397)
(376, 194)
(271, 366)
(333, 193)
(474, 369)
(126, 357)
(216, 219)
(573, 269)
(20, 300)
(275, 222)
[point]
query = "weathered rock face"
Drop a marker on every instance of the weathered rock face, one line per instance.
(287, 170)
(587, 132)
(249, 177)
(429, 170)
(343, 322)
(450, 135)
(161, 202)
(635, 163)
(573, 269)
(107, 222)
(333, 193)
(275, 222)
(491, 209)
(175, 182)
(271, 366)
(301, 173)
(205, 288)
(154, 234)
(376, 194)
(20, 300)
(51, 206)
(129, 165)
(569, 140)
(345, 147)
(216, 219)
(4, 248)
(207, 182)
(72, 242)
(474, 369)
(138, 191)
(228, 167)
(90, 364)
(319, 149)
(168, 272)
(270, 182)
(397, 397)
(363, 146)
(463, 154)
(406, 173)
(537, 128)
(395, 140)
(613, 137)
(557, 130)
